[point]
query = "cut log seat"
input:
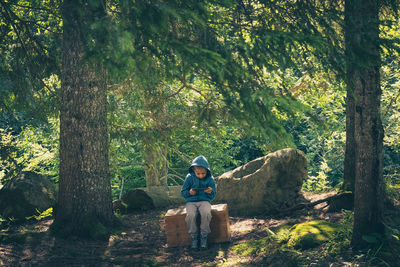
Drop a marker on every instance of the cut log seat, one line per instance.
(176, 228)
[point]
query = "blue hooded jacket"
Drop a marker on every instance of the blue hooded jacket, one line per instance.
(191, 181)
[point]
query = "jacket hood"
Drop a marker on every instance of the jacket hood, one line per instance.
(200, 161)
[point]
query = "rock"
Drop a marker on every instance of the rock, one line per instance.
(174, 195)
(159, 195)
(311, 234)
(343, 201)
(137, 199)
(25, 195)
(264, 185)
(145, 198)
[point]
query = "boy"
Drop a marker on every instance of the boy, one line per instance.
(199, 190)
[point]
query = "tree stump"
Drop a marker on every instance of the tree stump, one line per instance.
(176, 228)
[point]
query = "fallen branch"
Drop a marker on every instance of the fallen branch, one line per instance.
(312, 204)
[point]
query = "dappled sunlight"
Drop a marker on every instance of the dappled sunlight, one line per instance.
(141, 241)
(245, 225)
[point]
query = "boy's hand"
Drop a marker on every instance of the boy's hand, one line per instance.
(208, 190)
(192, 192)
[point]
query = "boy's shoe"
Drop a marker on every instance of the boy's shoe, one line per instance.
(195, 241)
(203, 242)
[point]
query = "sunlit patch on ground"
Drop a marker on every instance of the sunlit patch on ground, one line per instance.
(142, 242)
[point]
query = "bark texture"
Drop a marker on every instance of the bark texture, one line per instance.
(84, 189)
(155, 137)
(155, 165)
(349, 172)
(362, 44)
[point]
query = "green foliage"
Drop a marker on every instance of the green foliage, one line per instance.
(42, 215)
(191, 124)
(318, 183)
(320, 132)
(32, 149)
(393, 190)
(390, 76)
(229, 80)
(29, 49)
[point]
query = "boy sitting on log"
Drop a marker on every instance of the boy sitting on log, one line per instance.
(199, 190)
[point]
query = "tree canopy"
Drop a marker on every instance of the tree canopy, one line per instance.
(230, 79)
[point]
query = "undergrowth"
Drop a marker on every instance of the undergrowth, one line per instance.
(335, 250)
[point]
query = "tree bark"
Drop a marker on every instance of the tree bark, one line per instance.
(155, 137)
(84, 182)
(362, 45)
(155, 165)
(349, 172)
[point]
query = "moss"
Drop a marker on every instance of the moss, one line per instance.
(88, 227)
(267, 250)
(311, 234)
(283, 233)
(94, 228)
(250, 248)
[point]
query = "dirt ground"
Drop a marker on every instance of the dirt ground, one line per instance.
(142, 242)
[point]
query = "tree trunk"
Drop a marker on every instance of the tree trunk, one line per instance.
(155, 137)
(349, 172)
(84, 183)
(156, 166)
(362, 45)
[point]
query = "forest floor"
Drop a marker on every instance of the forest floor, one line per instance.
(142, 242)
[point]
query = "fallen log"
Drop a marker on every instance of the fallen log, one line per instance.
(336, 202)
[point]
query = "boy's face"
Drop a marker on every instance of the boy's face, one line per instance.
(200, 172)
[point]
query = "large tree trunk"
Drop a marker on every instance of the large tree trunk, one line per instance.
(84, 184)
(349, 172)
(362, 45)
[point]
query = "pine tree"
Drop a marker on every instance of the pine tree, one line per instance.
(363, 55)
(84, 204)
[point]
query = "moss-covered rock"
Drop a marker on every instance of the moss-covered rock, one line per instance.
(311, 234)
(27, 194)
